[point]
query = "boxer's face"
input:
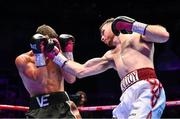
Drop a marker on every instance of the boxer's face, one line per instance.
(107, 35)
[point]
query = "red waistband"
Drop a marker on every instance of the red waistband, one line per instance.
(137, 75)
(144, 73)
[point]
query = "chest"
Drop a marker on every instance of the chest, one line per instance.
(129, 59)
(51, 70)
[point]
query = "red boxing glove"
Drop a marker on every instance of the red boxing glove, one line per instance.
(67, 42)
(126, 24)
(54, 53)
(52, 47)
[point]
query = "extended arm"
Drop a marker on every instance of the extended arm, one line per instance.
(91, 67)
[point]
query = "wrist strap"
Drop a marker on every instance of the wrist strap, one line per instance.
(139, 27)
(69, 55)
(40, 60)
(60, 60)
(64, 63)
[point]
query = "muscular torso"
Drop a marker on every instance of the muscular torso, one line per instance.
(132, 54)
(40, 80)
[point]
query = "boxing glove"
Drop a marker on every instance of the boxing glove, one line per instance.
(50, 44)
(126, 24)
(36, 44)
(67, 42)
(54, 53)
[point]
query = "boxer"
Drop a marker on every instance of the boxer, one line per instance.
(44, 79)
(131, 56)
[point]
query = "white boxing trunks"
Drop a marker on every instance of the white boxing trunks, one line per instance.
(143, 96)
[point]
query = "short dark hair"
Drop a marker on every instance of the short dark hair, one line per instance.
(47, 30)
(105, 22)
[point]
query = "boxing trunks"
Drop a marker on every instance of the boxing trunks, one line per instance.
(142, 96)
(52, 105)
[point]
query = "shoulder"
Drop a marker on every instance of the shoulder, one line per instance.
(136, 37)
(108, 56)
(139, 39)
(23, 58)
(140, 44)
(109, 52)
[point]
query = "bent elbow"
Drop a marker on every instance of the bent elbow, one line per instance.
(71, 80)
(18, 60)
(165, 37)
(80, 75)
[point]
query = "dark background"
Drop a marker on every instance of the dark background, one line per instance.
(82, 18)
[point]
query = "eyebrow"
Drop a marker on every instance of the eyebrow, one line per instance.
(102, 31)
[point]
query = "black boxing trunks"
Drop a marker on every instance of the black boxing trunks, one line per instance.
(52, 105)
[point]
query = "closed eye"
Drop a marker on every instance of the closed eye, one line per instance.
(102, 32)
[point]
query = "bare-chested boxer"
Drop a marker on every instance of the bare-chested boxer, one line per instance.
(44, 80)
(132, 57)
